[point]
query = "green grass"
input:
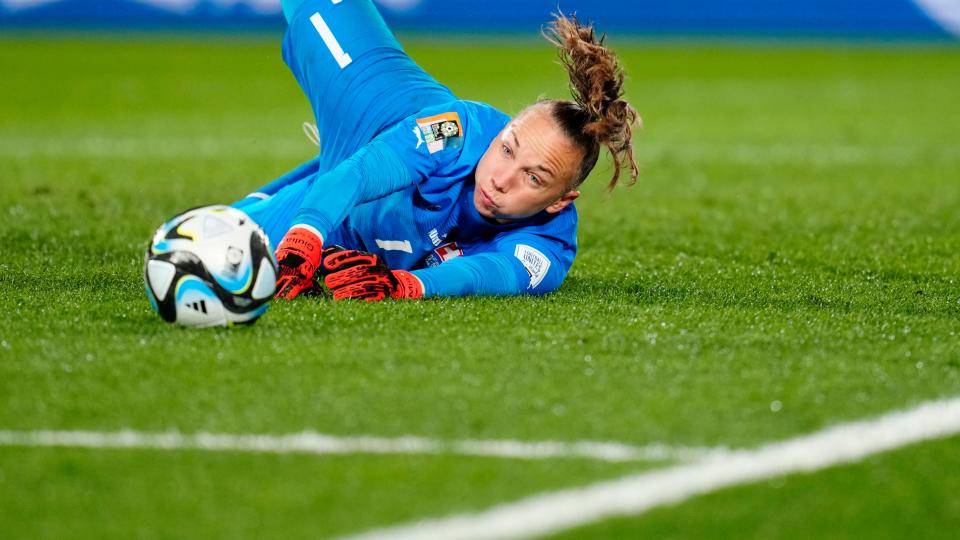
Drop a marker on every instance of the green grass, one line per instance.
(96, 494)
(794, 238)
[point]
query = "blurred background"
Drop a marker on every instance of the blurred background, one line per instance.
(858, 19)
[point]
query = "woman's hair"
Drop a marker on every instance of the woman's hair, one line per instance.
(598, 115)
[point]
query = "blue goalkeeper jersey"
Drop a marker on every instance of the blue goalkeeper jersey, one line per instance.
(394, 175)
(408, 196)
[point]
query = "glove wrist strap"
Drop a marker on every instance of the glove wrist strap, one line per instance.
(408, 285)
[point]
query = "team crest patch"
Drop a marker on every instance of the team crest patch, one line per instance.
(439, 132)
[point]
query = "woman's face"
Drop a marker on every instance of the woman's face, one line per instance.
(528, 168)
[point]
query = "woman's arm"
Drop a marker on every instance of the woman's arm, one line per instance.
(513, 268)
(301, 172)
(521, 267)
(400, 157)
(396, 159)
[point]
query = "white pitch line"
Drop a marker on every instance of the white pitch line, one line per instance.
(550, 512)
(317, 443)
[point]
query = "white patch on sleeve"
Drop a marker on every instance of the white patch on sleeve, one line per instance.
(394, 245)
(534, 261)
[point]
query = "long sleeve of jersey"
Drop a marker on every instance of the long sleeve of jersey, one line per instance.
(301, 172)
(374, 171)
(518, 264)
(394, 160)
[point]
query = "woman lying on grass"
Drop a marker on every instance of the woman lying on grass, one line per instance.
(430, 195)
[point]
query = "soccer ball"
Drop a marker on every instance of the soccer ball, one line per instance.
(210, 266)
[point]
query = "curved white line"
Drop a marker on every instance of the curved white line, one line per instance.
(551, 512)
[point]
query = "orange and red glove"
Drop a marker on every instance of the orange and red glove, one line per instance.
(298, 257)
(353, 274)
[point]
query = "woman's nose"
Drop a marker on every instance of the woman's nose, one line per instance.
(497, 184)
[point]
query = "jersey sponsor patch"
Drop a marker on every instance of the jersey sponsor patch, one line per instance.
(439, 132)
(534, 261)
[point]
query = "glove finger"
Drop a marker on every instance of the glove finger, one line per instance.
(356, 274)
(297, 288)
(370, 293)
(348, 258)
(327, 251)
(366, 296)
(284, 288)
(291, 283)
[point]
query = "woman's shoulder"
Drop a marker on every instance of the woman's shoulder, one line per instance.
(469, 116)
(458, 133)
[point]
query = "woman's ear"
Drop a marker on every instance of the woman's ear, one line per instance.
(563, 201)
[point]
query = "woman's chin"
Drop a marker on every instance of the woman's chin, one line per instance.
(483, 209)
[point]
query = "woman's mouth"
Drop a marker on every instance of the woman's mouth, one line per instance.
(486, 199)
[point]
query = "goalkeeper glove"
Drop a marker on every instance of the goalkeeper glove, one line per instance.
(298, 257)
(353, 274)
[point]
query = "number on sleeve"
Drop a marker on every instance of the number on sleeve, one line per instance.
(342, 58)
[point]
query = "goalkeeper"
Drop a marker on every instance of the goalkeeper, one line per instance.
(427, 194)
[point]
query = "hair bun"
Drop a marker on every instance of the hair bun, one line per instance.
(596, 85)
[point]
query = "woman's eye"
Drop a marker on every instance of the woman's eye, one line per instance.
(505, 150)
(533, 179)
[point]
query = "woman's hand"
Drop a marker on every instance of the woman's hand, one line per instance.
(298, 257)
(359, 275)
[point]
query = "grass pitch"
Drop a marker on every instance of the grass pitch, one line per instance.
(788, 260)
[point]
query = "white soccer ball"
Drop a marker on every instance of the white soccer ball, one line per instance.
(210, 266)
